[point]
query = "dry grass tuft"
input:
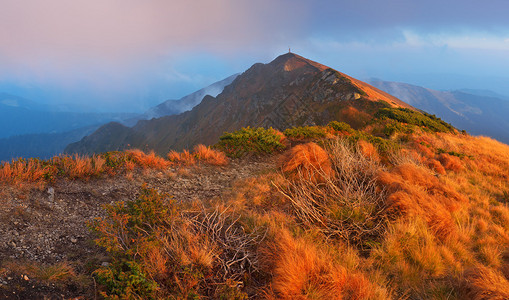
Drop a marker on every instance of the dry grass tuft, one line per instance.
(210, 156)
(58, 273)
(184, 157)
(347, 203)
(483, 283)
(435, 165)
(302, 271)
(450, 162)
(148, 161)
(416, 192)
(308, 162)
(367, 149)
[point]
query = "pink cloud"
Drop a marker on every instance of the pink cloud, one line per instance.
(114, 30)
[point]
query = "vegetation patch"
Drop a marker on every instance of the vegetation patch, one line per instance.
(162, 249)
(251, 141)
(341, 127)
(394, 127)
(412, 117)
(306, 132)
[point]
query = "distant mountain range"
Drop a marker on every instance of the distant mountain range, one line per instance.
(477, 111)
(42, 145)
(31, 129)
(20, 116)
(289, 91)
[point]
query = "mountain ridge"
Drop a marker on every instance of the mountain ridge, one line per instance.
(289, 91)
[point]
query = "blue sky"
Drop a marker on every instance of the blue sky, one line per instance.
(126, 55)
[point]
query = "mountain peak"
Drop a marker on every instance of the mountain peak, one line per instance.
(291, 61)
(289, 91)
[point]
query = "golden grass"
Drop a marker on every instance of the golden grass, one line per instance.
(31, 171)
(484, 283)
(210, 156)
(300, 270)
(201, 153)
(58, 273)
(184, 157)
(450, 162)
(440, 207)
(436, 166)
(308, 162)
(367, 149)
(414, 191)
(146, 161)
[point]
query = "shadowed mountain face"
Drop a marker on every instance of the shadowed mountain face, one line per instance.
(478, 113)
(289, 91)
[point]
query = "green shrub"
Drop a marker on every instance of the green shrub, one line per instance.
(251, 140)
(454, 153)
(394, 127)
(306, 132)
(412, 117)
(127, 228)
(340, 126)
(125, 280)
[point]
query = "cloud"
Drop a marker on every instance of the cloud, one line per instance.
(121, 29)
(136, 45)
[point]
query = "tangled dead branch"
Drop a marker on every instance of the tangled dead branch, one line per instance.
(237, 254)
(347, 203)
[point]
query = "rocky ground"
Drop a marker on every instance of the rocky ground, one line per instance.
(47, 224)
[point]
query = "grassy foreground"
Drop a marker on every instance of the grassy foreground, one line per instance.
(406, 208)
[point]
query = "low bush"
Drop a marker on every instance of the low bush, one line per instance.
(251, 141)
(341, 126)
(306, 132)
(394, 127)
(412, 117)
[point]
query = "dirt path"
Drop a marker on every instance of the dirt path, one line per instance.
(49, 225)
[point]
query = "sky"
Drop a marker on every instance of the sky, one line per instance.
(128, 55)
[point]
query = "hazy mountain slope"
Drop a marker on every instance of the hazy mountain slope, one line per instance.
(174, 107)
(43, 145)
(22, 119)
(477, 114)
(289, 91)
(110, 137)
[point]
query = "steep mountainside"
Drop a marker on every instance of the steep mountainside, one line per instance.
(289, 91)
(476, 113)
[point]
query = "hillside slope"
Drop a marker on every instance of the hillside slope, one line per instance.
(322, 212)
(481, 114)
(289, 91)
